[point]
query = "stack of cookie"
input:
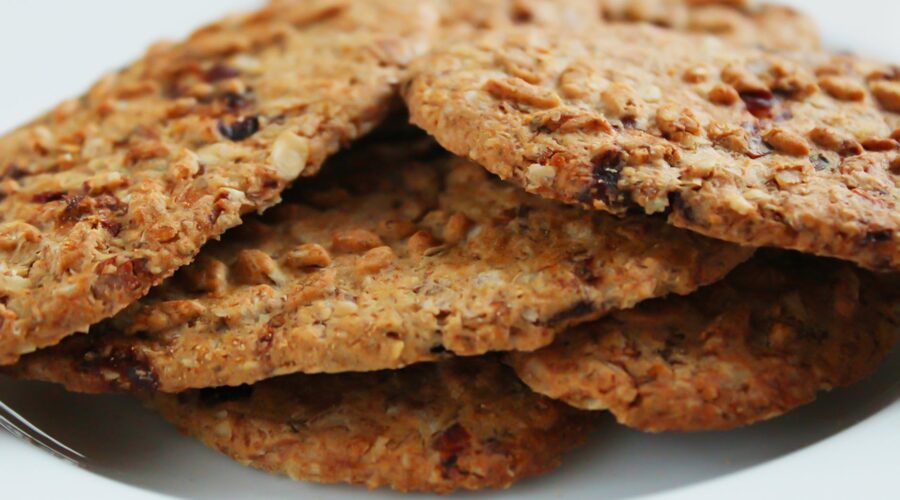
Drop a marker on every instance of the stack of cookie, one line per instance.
(692, 225)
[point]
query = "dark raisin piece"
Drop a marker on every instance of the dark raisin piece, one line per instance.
(607, 171)
(112, 226)
(241, 129)
(879, 236)
(220, 72)
(48, 196)
(15, 172)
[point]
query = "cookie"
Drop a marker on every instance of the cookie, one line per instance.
(747, 23)
(792, 150)
(397, 254)
(780, 329)
(110, 193)
(741, 22)
(460, 424)
(464, 17)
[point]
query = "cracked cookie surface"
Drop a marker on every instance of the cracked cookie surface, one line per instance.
(396, 254)
(764, 341)
(459, 424)
(110, 193)
(793, 150)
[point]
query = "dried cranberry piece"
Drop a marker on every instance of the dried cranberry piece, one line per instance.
(450, 444)
(220, 72)
(759, 102)
(241, 129)
(48, 196)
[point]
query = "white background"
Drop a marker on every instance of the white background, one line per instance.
(845, 446)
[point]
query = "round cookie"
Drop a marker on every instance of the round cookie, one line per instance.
(110, 193)
(792, 150)
(741, 22)
(459, 424)
(766, 340)
(746, 23)
(461, 18)
(396, 254)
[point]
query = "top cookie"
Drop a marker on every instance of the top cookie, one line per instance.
(764, 149)
(108, 194)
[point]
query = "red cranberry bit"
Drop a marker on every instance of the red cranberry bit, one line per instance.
(220, 72)
(759, 102)
(450, 443)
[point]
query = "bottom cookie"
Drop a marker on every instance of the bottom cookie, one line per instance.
(459, 424)
(777, 331)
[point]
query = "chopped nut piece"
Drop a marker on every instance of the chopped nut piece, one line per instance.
(518, 90)
(375, 260)
(290, 154)
(254, 267)
(355, 240)
(724, 94)
(420, 243)
(842, 88)
(787, 142)
(394, 230)
(835, 141)
(888, 94)
(621, 101)
(457, 228)
(879, 144)
(165, 315)
(675, 122)
(743, 80)
(206, 274)
(307, 255)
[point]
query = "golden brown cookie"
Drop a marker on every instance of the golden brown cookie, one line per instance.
(743, 22)
(459, 424)
(110, 193)
(780, 329)
(792, 150)
(397, 254)
(462, 17)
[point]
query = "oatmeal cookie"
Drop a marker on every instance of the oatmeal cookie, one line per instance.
(746, 23)
(766, 340)
(792, 150)
(459, 424)
(384, 261)
(110, 193)
(743, 22)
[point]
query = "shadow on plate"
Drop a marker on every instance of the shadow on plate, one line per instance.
(133, 446)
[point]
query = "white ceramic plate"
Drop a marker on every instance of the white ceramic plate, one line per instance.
(847, 445)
